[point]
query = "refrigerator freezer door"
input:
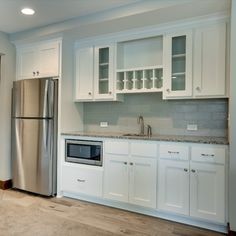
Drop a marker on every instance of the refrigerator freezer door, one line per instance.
(33, 98)
(32, 153)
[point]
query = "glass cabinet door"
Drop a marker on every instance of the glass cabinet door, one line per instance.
(103, 77)
(178, 65)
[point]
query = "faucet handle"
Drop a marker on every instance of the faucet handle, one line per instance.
(149, 131)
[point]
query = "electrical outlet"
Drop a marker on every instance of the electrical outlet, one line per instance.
(192, 127)
(104, 124)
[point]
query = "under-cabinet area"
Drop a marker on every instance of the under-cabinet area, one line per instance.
(187, 181)
(189, 62)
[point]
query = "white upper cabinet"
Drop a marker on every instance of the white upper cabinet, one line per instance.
(39, 60)
(84, 74)
(178, 65)
(209, 61)
(95, 73)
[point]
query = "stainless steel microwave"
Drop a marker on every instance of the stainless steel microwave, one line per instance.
(84, 152)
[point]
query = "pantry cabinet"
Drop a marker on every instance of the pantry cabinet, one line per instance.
(94, 73)
(39, 60)
(129, 177)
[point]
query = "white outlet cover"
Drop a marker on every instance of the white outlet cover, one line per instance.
(103, 124)
(192, 127)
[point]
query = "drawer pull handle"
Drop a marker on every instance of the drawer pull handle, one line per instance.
(207, 155)
(185, 169)
(81, 180)
(173, 152)
(193, 171)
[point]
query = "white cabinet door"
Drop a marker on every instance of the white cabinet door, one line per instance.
(173, 186)
(209, 57)
(84, 74)
(26, 63)
(48, 60)
(103, 72)
(116, 178)
(177, 49)
(207, 192)
(142, 184)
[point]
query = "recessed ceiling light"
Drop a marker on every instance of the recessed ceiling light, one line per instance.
(27, 11)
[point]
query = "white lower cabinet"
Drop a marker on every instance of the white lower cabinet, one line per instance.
(83, 179)
(196, 187)
(173, 182)
(130, 178)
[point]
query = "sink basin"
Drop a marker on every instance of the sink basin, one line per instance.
(135, 135)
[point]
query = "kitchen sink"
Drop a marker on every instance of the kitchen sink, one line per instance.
(135, 135)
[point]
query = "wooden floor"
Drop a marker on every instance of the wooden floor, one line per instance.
(26, 214)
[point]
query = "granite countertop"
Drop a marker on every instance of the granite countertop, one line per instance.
(171, 138)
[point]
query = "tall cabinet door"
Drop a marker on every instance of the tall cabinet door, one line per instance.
(116, 178)
(207, 192)
(173, 186)
(178, 65)
(84, 74)
(142, 187)
(103, 72)
(209, 57)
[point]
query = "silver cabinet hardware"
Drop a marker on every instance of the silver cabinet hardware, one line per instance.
(110, 92)
(81, 180)
(149, 131)
(131, 163)
(170, 152)
(193, 171)
(33, 73)
(198, 89)
(37, 72)
(125, 163)
(207, 155)
(185, 169)
(89, 93)
(167, 90)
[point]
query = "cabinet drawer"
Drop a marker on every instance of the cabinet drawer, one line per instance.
(117, 147)
(208, 154)
(85, 179)
(143, 149)
(168, 151)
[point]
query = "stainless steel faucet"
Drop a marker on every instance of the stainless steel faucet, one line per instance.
(149, 131)
(141, 122)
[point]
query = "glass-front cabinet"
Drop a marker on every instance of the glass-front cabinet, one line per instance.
(178, 65)
(103, 71)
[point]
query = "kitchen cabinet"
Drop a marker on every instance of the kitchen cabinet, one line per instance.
(129, 177)
(207, 184)
(94, 73)
(196, 187)
(210, 61)
(82, 179)
(39, 60)
(178, 64)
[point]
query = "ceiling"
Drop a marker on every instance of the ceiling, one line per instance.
(79, 12)
(51, 11)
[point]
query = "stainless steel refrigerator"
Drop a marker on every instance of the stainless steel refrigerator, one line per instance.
(34, 135)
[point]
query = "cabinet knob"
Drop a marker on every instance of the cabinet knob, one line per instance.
(89, 93)
(185, 169)
(33, 73)
(125, 163)
(193, 171)
(131, 163)
(167, 90)
(37, 72)
(110, 92)
(198, 89)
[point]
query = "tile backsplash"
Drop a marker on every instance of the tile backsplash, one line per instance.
(165, 117)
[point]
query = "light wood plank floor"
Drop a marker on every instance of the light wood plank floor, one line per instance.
(24, 214)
